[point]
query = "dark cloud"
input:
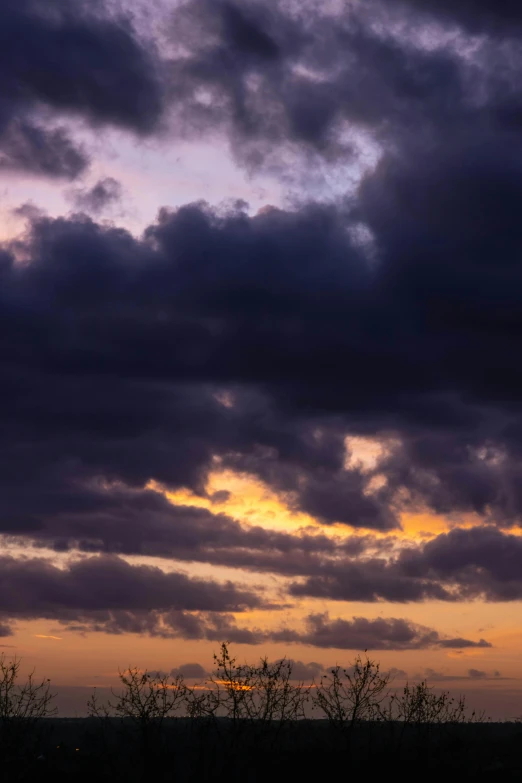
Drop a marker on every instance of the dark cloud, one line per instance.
(59, 61)
(320, 631)
(462, 644)
(486, 16)
(464, 564)
(118, 520)
(210, 626)
(397, 674)
(32, 147)
(221, 496)
(218, 340)
(432, 675)
(285, 78)
(71, 60)
(304, 672)
(114, 313)
(363, 634)
(479, 561)
(116, 361)
(107, 593)
(190, 671)
(371, 580)
(103, 194)
(477, 674)
(244, 33)
(460, 565)
(274, 77)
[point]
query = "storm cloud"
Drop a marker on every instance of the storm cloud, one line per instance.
(123, 355)
(475, 15)
(108, 592)
(221, 340)
(59, 62)
(102, 194)
(463, 564)
(361, 633)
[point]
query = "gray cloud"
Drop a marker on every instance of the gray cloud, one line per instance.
(479, 562)
(312, 73)
(108, 593)
(477, 674)
(64, 61)
(320, 631)
(485, 16)
(189, 671)
(45, 151)
(304, 672)
(363, 634)
(96, 199)
(462, 644)
(120, 348)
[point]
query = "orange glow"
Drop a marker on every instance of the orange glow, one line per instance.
(234, 685)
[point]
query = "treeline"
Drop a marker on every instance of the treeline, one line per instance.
(244, 722)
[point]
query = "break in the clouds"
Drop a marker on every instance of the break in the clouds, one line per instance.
(219, 340)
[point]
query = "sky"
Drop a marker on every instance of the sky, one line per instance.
(260, 302)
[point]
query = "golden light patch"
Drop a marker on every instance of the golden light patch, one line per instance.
(249, 501)
(235, 686)
(225, 398)
(364, 453)
(426, 525)
(423, 526)
(252, 502)
(46, 636)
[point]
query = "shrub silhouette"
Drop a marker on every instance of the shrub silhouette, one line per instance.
(22, 706)
(142, 704)
(419, 705)
(243, 720)
(257, 702)
(263, 692)
(146, 698)
(347, 697)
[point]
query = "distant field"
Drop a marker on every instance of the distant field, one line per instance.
(80, 749)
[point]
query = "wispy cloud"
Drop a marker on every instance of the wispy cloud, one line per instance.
(46, 636)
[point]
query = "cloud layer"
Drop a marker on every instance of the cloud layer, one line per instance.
(59, 62)
(264, 344)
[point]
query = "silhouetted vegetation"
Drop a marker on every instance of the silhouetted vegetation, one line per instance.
(249, 722)
(23, 705)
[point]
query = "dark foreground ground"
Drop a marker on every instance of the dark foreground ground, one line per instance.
(82, 749)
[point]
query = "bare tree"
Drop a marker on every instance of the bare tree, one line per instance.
(263, 692)
(418, 705)
(347, 697)
(22, 705)
(258, 701)
(29, 700)
(143, 703)
(144, 698)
